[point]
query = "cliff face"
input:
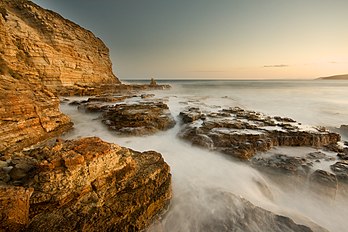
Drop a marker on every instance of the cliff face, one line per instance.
(29, 113)
(45, 47)
(42, 53)
(84, 185)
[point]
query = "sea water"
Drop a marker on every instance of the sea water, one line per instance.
(197, 172)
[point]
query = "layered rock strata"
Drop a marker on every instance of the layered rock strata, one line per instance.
(242, 133)
(138, 119)
(45, 47)
(85, 185)
(29, 113)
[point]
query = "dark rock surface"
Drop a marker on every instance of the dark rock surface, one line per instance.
(138, 119)
(284, 164)
(241, 215)
(243, 133)
(324, 183)
(225, 212)
(341, 170)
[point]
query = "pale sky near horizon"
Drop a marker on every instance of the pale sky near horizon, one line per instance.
(237, 39)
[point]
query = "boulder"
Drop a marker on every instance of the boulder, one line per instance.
(191, 114)
(91, 185)
(138, 119)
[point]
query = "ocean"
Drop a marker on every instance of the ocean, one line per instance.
(198, 173)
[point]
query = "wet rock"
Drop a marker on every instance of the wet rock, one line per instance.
(64, 100)
(324, 183)
(226, 212)
(107, 99)
(343, 155)
(243, 133)
(139, 119)
(94, 185)
(283, 163)
(316, 155)
(240, 213)
(93, 107)
(191, 114)
(280, 119)
(341, 170)
(75, 103)
(149, 95)
(203, 141)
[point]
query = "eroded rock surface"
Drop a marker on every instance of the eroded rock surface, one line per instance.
(138, 119)
(224, 211)
(44, 46)
(87, 185)
(14, 206)
(242, 133)
(341, 170)
(239, 213)
(29, 113)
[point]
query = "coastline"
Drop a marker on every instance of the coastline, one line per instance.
(245, 154)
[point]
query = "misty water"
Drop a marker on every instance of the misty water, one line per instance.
(198, 173)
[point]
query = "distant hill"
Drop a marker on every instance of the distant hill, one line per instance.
(336, 77)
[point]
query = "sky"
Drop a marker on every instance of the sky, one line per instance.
(216, 39)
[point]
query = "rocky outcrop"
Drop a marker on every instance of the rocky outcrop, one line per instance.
(14, 206)
(86, 185)
(324, 183)
(237, 212)
(223, 211)
(242, 133)
(42, 54)
(138, 119)
(340, 168)
(29, 113)
(45, 47)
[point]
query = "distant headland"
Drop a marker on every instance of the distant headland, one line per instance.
(335, 77)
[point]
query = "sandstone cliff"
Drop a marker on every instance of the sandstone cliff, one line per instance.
(43, 54)
(45, 47)
(83, 185)
(29, 113)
